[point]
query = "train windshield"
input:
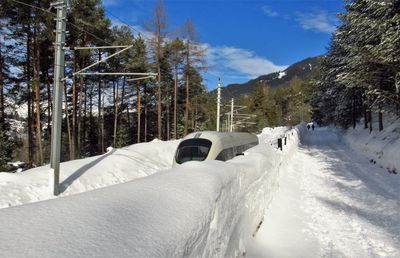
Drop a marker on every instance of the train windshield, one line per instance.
(192, 149)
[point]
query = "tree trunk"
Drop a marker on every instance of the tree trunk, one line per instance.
(365, 111)
(397, 84)
(74, 110)
(353, 109)
(168, 107)
(28, 79)
(99, 109)
(159, 126)
(36, 74)
(187, 88)
(102, 125)
(175, 102)
(370, 120)
(49, 104)
(380, 119)
(195, 113)
(82, 98)
(84, 121)
(115, 87)
(365, 119)
(2, 114)
(145, 112)
(90, 129)
(187, 106)
(123, 98)
(68, 123)
(138, 112)
(128, 116)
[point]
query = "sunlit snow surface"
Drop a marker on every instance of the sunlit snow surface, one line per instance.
(316, 199)
(115, 167)
(204, 209)
(332, 203)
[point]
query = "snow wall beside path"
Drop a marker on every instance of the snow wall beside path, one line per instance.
(200, 209)
(382, 147)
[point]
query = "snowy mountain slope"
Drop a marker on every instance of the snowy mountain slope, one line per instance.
(332, 203)
(116, 166)
(198, 209)
(303, 69)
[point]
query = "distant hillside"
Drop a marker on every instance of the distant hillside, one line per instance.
(302, 69)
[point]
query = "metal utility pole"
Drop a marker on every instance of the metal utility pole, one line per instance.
(218, 103)
(59, 62)
(228, 119)
(232, 102)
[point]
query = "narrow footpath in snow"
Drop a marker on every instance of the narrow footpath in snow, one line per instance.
(332, 202)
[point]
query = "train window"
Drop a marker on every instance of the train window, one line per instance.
(225, 154)
(221, 156)
(192, 149)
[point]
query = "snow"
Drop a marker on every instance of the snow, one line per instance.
(380, 147)
(197, 209)
(11, 108)
(16, 163)
(281, 75)
(332, 202)
(315, 198)
(114, 167)
(270, 135)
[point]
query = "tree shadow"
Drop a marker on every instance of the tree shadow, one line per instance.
(382, 221)
(69, 180)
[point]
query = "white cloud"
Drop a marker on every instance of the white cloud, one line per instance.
(239, 63)
(318, 21)
(269, 12)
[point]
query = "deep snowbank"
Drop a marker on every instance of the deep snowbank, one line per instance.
(382, 147)
(116, 166)
(200, 209)
(332, 202)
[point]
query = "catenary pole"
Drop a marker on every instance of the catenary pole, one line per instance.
(218, 103)
(232, 102)
(59, 62)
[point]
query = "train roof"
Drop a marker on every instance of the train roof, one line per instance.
(225, 138)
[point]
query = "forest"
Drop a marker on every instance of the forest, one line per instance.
(359, 78)
(99, 111)
(102, 111)
(360, 75)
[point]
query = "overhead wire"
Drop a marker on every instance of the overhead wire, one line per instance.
(69, 22)
(84, 30)
(127, 24)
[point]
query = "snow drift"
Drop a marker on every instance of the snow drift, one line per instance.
(199, 209)
(77, 176)
(380, 147)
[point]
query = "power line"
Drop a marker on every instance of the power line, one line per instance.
(125, 23)
(70, 23)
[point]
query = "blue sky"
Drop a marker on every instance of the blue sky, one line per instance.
(245, 38)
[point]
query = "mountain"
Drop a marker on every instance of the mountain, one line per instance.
(303, 69)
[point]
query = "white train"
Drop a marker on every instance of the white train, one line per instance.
(211, 145)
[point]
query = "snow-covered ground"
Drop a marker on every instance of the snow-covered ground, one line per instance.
(332, 203)
(319, 198)
(198, 209)
(115, 167)
(381, 147)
